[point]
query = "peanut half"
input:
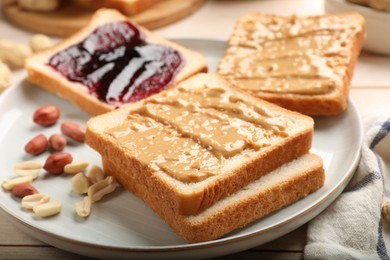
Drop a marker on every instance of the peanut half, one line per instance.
(76, 167)
(28, 168)
(40, 42)
(9, 184)
(96, 174)
(30, 201)
(80, 183)
(5, 76)
(83, 208)
(47, 209)
(101, 188)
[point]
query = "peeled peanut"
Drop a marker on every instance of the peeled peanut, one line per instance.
(37, 145)
(55, 163)
(14, 53)
(101, 188)
(76, 167)
(80, 183)
(28, 168)
(96, 174)
(74, 131)
(30, 201)
(57, 142)
(5, 76)
(40, 42)
(83, 208)
(9, 184)
(47, 209)
(46, 115)
(23, 190)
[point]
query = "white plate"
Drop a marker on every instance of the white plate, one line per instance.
(121, 226)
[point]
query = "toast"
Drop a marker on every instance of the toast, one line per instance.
(279, 188)
(197, 142)
(127, 7)
(111, 62)
(304, 64)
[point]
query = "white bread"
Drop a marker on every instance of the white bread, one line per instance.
(51, 80)
(304, 64)
(127, 7)
(152, 183)
(277, 189)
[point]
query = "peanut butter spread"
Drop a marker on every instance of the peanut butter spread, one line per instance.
(307, 56)
(189, 133)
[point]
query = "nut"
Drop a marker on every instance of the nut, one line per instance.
(386, 210)
(28, 168)
(55, 163)
(47, 209)
(101, 188)
(14, 53)
(30, 201)
(9, 184)
(40, 42)
(76, 167)
(83, 208)
(37, 145)
(96, 174)
(80, 183)
(5, 76)
(46, 115)
(74, 131)
(57, 142)
(23, 190)
(41, 5)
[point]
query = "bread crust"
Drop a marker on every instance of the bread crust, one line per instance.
(52, 81)
(316, 105)
(241, 208)
(190, 198)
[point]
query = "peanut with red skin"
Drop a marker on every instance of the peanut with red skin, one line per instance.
(74, 131)
(55, 163)
(23, 190)
(37, 145)
(46, 115)
(57, 142)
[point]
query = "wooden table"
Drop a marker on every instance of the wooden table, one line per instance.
(370, 89)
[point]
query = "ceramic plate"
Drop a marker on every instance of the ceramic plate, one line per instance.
(122, 226)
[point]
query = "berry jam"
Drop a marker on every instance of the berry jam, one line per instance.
(116, 64)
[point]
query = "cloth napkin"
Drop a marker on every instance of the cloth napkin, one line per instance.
(352, 227)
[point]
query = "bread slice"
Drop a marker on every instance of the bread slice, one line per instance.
(281, 187)
(197, 142)
(301, 63)
(127, 7)
(40, 73)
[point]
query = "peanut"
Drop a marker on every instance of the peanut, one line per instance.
(76, 167)
(55, 163)
(9, 184)
(23, 190)
(37, 145)
(28, 168)
(74, 131)
(83, 208)
(386, 210)
(80, 183)
(47, 209)
(101, 188)
(14, 53)
(41, 5)
(5, 76)
(30, 201)
(40, 42)
(46, 115)
(96, 174)
(57, 142)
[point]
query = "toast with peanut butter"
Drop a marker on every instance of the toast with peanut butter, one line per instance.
(197, 142)
(279, 188)
(301, 63)
(112, 62)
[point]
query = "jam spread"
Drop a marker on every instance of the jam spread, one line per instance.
(291, 55)
(117, 65)
(190, 133)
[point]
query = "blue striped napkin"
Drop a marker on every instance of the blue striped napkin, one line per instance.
(352, 227)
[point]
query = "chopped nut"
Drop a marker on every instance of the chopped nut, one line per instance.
(28, 202)
(47, 209)
(76, 167)
(83, 208)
